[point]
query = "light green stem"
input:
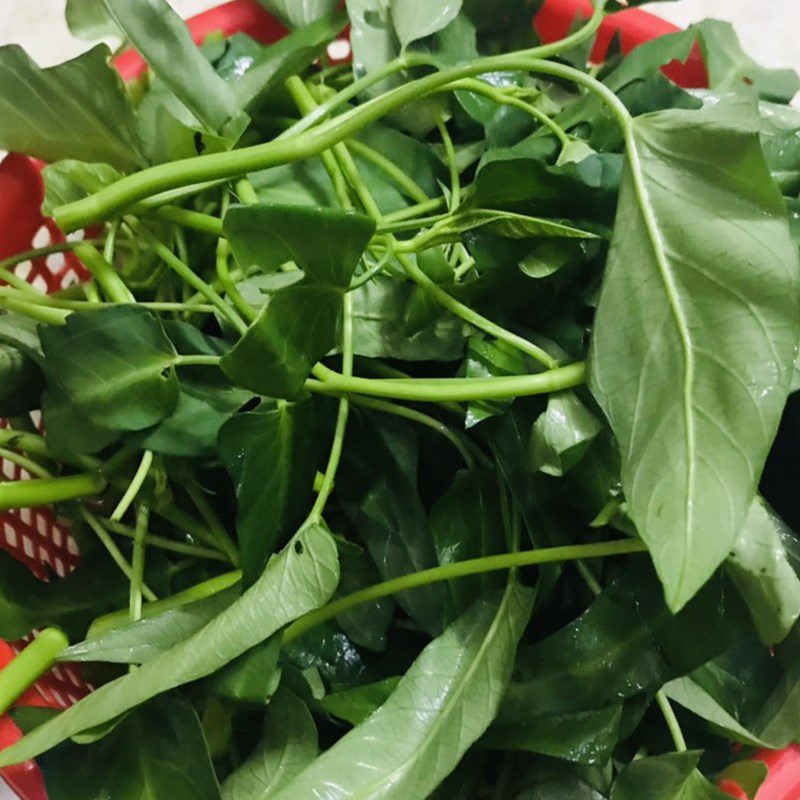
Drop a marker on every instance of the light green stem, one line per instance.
(450, 155)
(26, 463)
(460, 390)
(404, 182)
(672, 721)
(140, 476)
(153, 540)
(200, 591)
(219, 535)
(460, 569)
(194, 220)
(104, 273)
(33, 309)
(137, 562)
(46, 491)
(27, 667)
(7, 264)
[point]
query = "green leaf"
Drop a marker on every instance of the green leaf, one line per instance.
(749, 775)
(301, 578)
(626, 643)
(77, 109)
(288, 744)
(329, 654)
(670, 777)
(695, 382)
(157, 751)
(372, 37)
(443, 703)
(759, 566)
(379, 309)
(115, 366)
(286, 57)
(299, 13)
(69, 180)
(378, 490)
(585, 737)
(355, 705)
(298, 325)
(730, 69)
(272, 455)
(502, 223)
(416, 19)
(149, 637)
(466, 522)
(367, 624)
(780, 139)
(89, 20)
(164, 41)
(562, 434)
(253, 677)
(21, 382)
(778, 719)
(690, 695)
(71, 603)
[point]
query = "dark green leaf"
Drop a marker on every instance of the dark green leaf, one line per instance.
(301, 578)
(749, 775)
(730, 69)
(164, 41)
(670, 777)
(287, 745)
(585, 737)
(378, 489)
(78, 109)
(355, 705)
(114, 365)
(695, 383)
(21, 382)
(272, 455)
(379, 308)
(760, 568)
(288, 56)
(253, 677)
(157, 751)
(70, 603)
(466, 522)
(440, 707)
(562, 434)
(89, 20)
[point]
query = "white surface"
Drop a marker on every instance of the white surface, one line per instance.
(6, 793)
(768, 28)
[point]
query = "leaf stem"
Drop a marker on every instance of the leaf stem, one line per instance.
(47, 491)
(114, 551)
(219, 536)
(672, 721)
(137, 562)
(7, 264)
(197, 361)
(104, 273)
(437, 390)
(200, 591)
(163, 543)
(410, 187)
(31, 663)
(26, 463)
(461, 569)
(450, 155)
(139, 477)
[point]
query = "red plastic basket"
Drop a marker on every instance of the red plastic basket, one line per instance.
(42, 542)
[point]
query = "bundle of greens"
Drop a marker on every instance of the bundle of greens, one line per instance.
(426, 424)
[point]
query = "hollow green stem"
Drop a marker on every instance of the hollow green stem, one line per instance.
(220, 537)
(342, 416)
(36, 445)
(226, 165)
(110, 244)
(198, 284)
(197, 361)
(450, 155)
(247, 194)
(374, 270)
(26, 463)
(244, 308)
(46, 491)
(460, 569)
(437, 390)
(161, 542)
(7, 264)
(116, 554)
(412, 212)
(27, 667)
(671, 720)
(137, 562)
(33, 309)
(200, 591)
(103, 272)
(194, 220)
(139, 477)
